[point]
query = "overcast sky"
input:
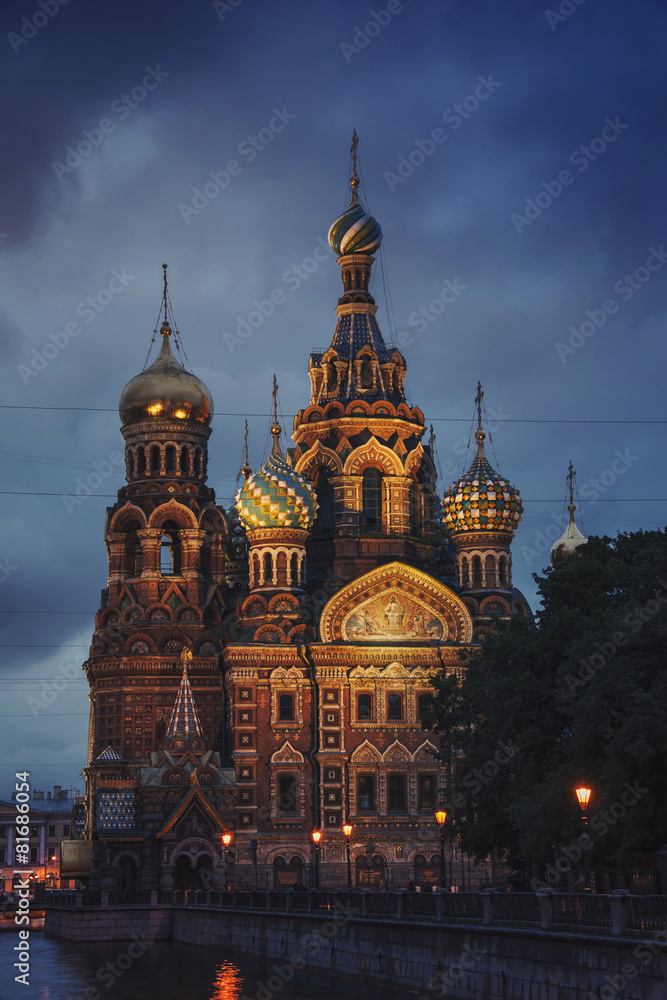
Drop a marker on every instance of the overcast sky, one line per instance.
(514, 155)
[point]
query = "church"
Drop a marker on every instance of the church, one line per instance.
(259, 676)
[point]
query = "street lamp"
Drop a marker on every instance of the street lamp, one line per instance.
(441, 818)
(317, 835)
(347, 830)
(227, 839)
(583, 798)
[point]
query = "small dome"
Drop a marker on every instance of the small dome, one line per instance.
(569, 541)
(481, 500)
(355, 231)
(165, 391)
(276, 496)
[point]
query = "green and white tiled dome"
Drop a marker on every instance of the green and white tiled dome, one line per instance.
(276, 496)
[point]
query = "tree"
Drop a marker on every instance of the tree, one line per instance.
(578, 695)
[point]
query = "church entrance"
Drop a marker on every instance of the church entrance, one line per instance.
(204, 872)
(128, 877)
(370, 871)
(288, 876)
(185, 876)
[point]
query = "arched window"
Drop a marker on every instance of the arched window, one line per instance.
(503, 571)
(364, 707)
(286, 707)
(170, 458)
(170, 550)
(155, 458)
(476, 571)
(286, 794)
(323, 524)
(366, 374)
(268, 568)
(295, 570)
(198, 462)
(490, 568)
(141, 461)
(423, 706)
(371, 498)
(396, 793)
(134, 555)
(184, 462)
(426, 792)
(130, 463)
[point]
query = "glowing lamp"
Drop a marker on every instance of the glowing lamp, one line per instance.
(226, 839)
(347, 829)
(583, 796)
(317, 835)
(440, 817)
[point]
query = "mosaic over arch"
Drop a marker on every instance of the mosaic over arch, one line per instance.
(396, 603)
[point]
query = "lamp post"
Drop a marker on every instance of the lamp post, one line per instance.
(441, 818)
(583, 798)
(317, 834)
(227, 839)
(347, 830)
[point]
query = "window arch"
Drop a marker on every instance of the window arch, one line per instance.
(197, 462)
(371, 499)
(155, 459)
(141, 461)
(170, 458)
(184, 462)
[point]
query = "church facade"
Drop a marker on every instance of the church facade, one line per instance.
(262, 673)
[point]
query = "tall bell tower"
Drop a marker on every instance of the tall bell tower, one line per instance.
(166, 539)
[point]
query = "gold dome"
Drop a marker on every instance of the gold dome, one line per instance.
(165, 391)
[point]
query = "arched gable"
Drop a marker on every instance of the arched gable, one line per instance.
(373, 454)
(286, 754)
(396, 753)
(366, 753)
(398, 603)
(172, 511)
(128, 512)
(317, 456)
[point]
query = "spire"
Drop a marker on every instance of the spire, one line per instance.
(571, 538)
(184, 719)
(245, 468)
(480, 462)
(275, 426)
(354, 180)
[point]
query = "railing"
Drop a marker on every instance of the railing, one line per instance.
(616, 914)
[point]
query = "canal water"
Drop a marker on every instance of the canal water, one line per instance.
(64, 970)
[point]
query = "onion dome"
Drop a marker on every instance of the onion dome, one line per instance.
(481, 500)
(571, 538)
(165, 391)
(276, 496)
(355, 231)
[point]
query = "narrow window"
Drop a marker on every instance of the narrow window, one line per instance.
(184, 462)
(366, 793)
(426, 793)
(155, 458)
(371, 495)
(394, 706)
(423, 706)
(324, 522)
(396, 790)
(286, 794)
(364, 707)
(170, 458)
(286, 707)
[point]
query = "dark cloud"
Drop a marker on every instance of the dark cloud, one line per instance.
(124, 208)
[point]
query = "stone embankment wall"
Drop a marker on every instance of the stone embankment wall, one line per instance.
(420, 958)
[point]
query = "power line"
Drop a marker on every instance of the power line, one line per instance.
(464, 420)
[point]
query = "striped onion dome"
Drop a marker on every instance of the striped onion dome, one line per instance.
(276, 496)
(355, 231)
(481, 500)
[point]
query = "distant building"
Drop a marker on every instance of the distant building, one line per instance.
(50, 823)
(263, 672)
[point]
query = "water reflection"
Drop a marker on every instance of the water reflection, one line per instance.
(64, 970)
(228, 983)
